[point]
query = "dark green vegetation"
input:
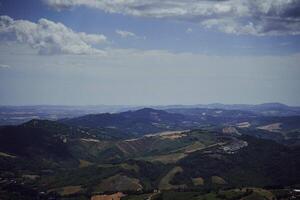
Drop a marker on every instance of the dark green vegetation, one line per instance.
(152, 154)
(138, 122)
(261, 163)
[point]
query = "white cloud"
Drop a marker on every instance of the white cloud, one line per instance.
(254, 17)
(49, 37)
(125, 34)
(4, 66)
(189, 30)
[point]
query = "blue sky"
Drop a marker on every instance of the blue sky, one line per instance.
(91, 52)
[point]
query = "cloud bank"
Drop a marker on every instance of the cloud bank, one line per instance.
(250, 17)
(49, 37)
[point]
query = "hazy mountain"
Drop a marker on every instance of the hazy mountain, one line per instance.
(267, 109)
(12, 115)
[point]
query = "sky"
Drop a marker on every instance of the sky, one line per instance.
(149, 52)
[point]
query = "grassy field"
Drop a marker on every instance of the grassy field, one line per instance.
(265, 193)
(115, 196)
(119, 183)
(84, 163)
(165, 181)
(243, 194)
(68, 190)
(194, 147)
(218, 180)
(198, 181)
(137, 197)
(6, 155)
(165, 159)
(129, 167)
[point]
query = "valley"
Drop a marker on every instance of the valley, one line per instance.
(152, 154)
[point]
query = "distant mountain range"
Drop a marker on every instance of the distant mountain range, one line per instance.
(141, 151)
(20, 114)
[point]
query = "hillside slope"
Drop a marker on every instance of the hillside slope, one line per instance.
(138, 122)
